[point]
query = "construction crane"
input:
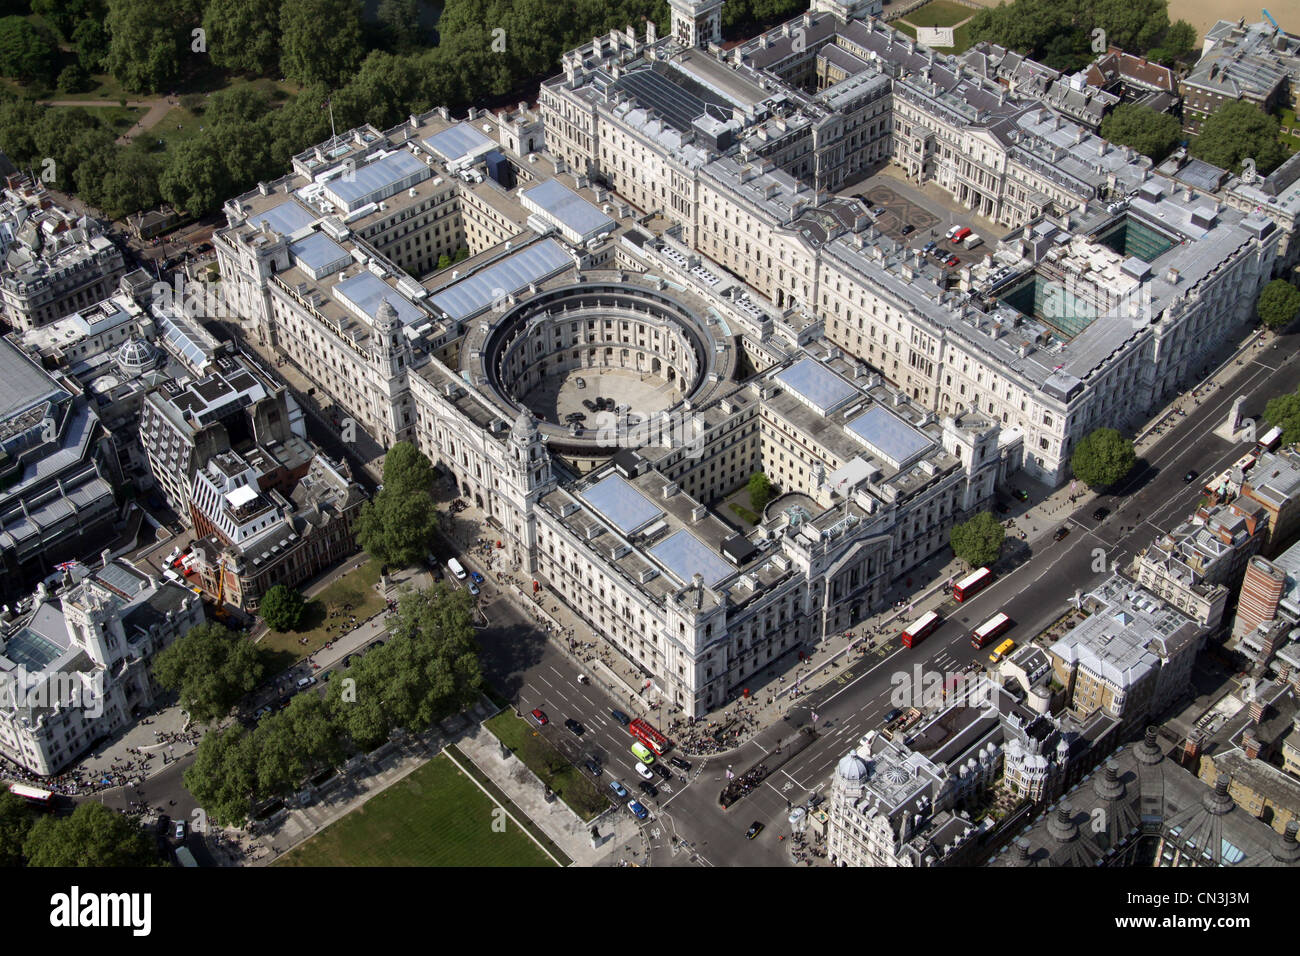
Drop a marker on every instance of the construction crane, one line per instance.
(220, 610)
(1270, 19)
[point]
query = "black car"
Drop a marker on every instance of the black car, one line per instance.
(1100, 514)
(574, 727)
(347, 660)
(754, 830)
(1021, 494)
(662, 771)
(908, 230)
(1190, 477)
(621, 717)
(1003, 507)
(594, 766)
(679, 763)
(648, 788)
(1061, 532)
(589, 405)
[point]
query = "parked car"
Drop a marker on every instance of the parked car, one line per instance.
(643, 771)
(472, 587)
(180, 830)
(621, 717)
(679, 763)
(574, 727)
(1002, 506)
(589, 405)
(908, 230)
(539, 715)
(952, 262)
(893, 715)
(593, 765)
(637, 810)
(662, 770)
(476, 577)
(580, 382)
(305, 682)
(648, 788)
(929, 246)
(1100, 514)
(952, 232)
(1020, 494)
(262, 712)
(1061, 533)
(754, 830)
(619, 789)
(1190, 477)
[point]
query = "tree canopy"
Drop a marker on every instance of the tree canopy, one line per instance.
(16, 819)
(91, 836)
(1278, 304)
(320, 40)
(281, 608)
(760, 491)
(243, 35)
(1284, 412)
(1151, 133)
(150, 41)
(1237, 131)
(428, 668)
(979, 540)
(1102, 458)
(26, 52)
(397, 526)
(1060, 33)
(211, 668)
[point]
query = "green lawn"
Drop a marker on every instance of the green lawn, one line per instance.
(744, 513)
(939, 13)
(572, 785)
(357, 588)
(435, 816)
(1288, 120)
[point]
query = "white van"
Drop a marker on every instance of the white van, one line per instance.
(971, 241)
(454, 567)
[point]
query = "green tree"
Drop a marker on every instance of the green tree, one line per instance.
(238, 104)
(1278, 304)
(397, 526)
(223, 777)
(73, 79)
(194, 179)
(211, 668)
(320, 40)
(149, 40)
(66, 15)
(243, 35)
(92, 43)
(1150, 133)
(1237, 131)
(92, 835)
(1284, 412)
(16, 819)
(979, 540)
(760, 491)
(292, 745)
(26, 53)
(1102, 458)
(400, 22)
(281, 608)
(131, 185)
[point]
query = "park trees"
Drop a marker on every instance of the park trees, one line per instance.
(1278, 304)
(211, 668)
(979, 540)
(1102, 458)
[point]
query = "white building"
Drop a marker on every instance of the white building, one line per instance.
(75, 666)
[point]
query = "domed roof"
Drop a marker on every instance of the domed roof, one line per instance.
(135, 355)
(851, 769)
(525, 426)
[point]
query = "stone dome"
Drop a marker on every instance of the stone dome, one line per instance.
(851, 769)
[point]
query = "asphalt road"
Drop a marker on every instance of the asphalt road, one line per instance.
(1033, 595)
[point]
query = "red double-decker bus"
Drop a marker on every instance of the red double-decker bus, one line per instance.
(989, 629)
(920, 628)
(972, 584)
(643, 732)
(33, 795)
